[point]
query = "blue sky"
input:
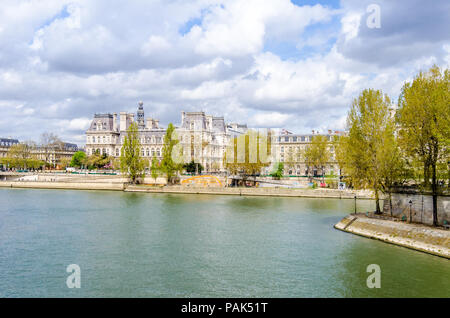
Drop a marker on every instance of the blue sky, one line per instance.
(275, 63)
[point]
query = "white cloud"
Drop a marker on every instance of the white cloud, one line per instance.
(79, 123)
(63, 61)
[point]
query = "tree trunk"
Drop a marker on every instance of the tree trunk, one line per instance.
(390, 202)
(426, 174)
(377, 202)
(434, 192)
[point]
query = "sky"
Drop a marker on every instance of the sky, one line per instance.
(274, 63)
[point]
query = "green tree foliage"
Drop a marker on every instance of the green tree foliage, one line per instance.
(317, 153)
(278, 173)
(247, 154)
(155, 168)
(78, 159)
(423, 118)
(21, 155)
(193, 167)
(131, 162)
(96, 161)
(168, 166)
(362, 154)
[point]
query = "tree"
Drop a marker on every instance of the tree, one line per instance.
(168, 165)
(64, 162)
(131, 162)
(393, 169)
(424, 127)
(363, 154)
(247, 154)
(292, 157)
(317, 153)
(278, 173)
(193, 167)
(21, 154)
(78, 159)
(49, 143)
(155, 168)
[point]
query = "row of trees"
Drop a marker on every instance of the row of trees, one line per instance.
(383, 150)
(32, 155)
(133, 165)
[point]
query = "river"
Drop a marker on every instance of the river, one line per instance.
(163, 245)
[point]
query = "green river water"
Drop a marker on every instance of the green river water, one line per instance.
(163, 245)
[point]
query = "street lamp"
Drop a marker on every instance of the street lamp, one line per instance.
(355, 203)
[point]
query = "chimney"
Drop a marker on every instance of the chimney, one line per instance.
(123, 121)
(115, 121)
(149, 123)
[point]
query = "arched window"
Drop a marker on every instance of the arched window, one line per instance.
(93, 139)
(153, 151)
(148, 152)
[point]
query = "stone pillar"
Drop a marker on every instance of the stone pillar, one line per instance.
(115, 121)
(123, 121)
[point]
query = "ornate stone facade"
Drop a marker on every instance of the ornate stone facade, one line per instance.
(5, 144)
(289, 148)
(203, 138)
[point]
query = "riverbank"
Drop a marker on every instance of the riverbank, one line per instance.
(274, 192)
(115, 185)
(419, 237)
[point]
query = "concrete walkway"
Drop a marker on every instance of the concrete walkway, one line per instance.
(419, 237)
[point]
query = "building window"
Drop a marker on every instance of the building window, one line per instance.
(117, 152)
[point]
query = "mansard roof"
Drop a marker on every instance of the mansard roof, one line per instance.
(8, 142)
(105, 121)
(218, 124)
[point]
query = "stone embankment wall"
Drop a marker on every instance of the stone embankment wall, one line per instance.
(421, 207)
(64, 185)
(415, 236)
(285, 192)
(115, 183)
